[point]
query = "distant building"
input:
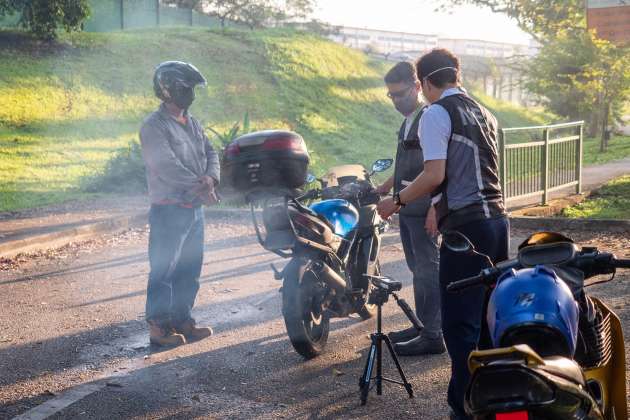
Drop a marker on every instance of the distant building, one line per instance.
(487, 49)
(383, 42)
(401, 43)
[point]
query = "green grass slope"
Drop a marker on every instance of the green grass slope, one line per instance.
(66, 110)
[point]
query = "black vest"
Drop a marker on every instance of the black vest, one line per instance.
(409, 164)
(471, 190)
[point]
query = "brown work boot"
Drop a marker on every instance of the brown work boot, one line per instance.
(159, 335)
(192, 332)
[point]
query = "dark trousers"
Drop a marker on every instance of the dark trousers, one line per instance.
(422, 256)
(462, 312)
(176, 256)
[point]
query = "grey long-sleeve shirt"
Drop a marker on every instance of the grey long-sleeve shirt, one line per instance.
(175, 156)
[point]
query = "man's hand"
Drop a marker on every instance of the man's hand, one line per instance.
(386, 186)
(383, 189)
(204, 191)
(209, 197)
(386, 207)
(207, 181)
(430, 224)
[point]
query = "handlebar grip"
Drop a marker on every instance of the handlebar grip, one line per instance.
(309, 195)
(456, 286)
(621, 263)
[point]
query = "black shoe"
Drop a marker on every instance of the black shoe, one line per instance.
(420, 345)
(403, 335)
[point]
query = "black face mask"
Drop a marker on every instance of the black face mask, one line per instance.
(183, 96)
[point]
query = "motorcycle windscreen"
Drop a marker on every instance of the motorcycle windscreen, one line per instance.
(342, 215)
(543, 237)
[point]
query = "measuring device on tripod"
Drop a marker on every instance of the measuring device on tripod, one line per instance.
(383, 288)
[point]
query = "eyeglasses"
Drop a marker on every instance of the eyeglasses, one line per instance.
(400, 94)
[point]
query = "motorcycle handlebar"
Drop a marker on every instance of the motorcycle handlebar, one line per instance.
(487, 276)
(621, 263)
(458, 285)
(309, 195)
(365, 196)
(591, 263)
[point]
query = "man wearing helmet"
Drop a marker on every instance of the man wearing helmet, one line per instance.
(182, 172)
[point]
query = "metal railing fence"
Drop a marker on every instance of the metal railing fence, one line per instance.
(550, 160)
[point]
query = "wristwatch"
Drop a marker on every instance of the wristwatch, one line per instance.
(397, 200)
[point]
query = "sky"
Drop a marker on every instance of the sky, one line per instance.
(419, 16)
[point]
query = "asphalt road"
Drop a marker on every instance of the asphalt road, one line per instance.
(73, 343)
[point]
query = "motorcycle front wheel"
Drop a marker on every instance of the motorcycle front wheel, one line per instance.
(307, 323)
(368, 310)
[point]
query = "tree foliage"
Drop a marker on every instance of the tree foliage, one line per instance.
(44, 17)
(257, 13)
(577, 75)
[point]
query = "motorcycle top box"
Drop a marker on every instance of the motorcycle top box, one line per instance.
(265, 159)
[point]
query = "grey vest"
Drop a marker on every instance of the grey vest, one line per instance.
(409, 164)
(471, 190)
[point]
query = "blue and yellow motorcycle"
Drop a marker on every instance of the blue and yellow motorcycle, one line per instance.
(332, 244)
(548, 350)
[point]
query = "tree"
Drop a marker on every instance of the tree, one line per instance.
(577, 75)
(44, 17)
(258, 13)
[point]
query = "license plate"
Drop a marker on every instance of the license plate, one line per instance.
(516, 415)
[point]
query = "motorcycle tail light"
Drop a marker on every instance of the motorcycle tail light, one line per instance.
(508, 388)
(515, 415)
(232, 150)
(284, 143)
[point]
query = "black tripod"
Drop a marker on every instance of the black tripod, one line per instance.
(379, 296)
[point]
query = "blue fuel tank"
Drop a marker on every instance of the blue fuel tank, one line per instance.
(340, 213)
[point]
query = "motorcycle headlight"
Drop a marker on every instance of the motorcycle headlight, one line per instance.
(507, 387)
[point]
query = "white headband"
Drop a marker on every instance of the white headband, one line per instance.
(440, 69)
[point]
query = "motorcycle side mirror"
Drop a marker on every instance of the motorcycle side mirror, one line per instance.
(457, 242)
(381, 165)
(310, 178)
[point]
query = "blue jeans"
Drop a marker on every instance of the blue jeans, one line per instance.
(422, 256)
(176, 256)
(462, 312)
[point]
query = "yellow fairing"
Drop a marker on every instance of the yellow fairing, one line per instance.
(612, 376)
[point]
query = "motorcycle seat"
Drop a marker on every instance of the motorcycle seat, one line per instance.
(564, 368)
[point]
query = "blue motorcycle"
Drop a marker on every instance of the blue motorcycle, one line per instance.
(332, 244)
(548, 350)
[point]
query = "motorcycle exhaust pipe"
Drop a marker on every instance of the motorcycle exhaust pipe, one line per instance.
(329, 276)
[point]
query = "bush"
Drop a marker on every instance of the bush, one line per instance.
(124, 173)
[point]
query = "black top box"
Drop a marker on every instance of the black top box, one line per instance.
(265, 159)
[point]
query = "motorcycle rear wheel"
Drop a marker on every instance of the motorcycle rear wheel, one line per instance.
(308, 325)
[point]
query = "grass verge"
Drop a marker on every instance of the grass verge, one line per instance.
(612, 201)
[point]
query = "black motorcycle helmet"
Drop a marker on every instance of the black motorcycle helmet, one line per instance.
(175, 81)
